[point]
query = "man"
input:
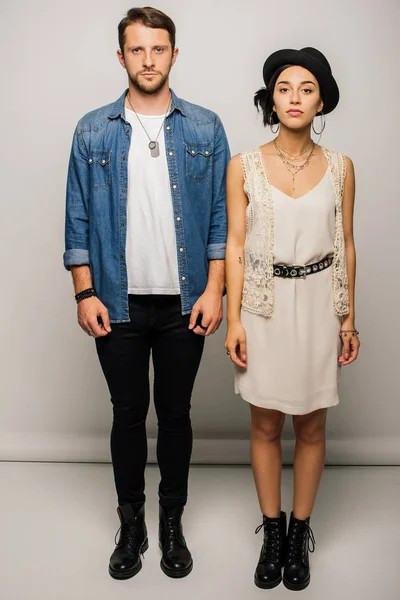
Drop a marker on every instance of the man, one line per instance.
(145, 241)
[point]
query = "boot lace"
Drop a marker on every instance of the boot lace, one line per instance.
(172, 531)
(271, 548)
(297, 540)
(128, 537)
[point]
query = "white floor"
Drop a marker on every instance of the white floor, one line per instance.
(57, 526)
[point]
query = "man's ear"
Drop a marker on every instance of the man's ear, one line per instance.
(175, 55)
(121, 58)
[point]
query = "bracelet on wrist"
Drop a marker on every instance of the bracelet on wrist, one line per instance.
(85, 294)
(346, 331)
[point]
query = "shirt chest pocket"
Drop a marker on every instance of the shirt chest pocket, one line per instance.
(198, 161)
(100, 169)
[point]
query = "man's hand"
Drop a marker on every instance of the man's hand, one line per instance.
(90, 312)
(210, 306)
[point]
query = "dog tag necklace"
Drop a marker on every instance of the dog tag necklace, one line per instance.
(154, 146)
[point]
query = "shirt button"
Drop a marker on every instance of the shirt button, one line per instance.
(127, 132)
(121, 256)
(178, 218)
(124, 158)
(123, 191)
(206, 152)
(171, 153)
(183, 278)
(193, 152)
(90, 161)
(103, 162)
(122, 224)
(174, 187)
(123, 286)
(168, 128)
(180, 249)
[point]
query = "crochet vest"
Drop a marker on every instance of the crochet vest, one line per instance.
(258, 286)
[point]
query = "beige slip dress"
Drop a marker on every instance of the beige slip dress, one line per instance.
(292, 356)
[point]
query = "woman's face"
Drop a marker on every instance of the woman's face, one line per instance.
(297, 97)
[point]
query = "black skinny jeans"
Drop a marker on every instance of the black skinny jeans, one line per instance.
(156, 325)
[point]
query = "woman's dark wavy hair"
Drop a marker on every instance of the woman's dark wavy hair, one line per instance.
(264, 98)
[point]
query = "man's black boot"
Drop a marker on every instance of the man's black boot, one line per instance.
(296, 573)
(269, 568)
(176, 559)
(125, 561)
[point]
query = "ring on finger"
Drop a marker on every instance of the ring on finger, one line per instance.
(90, 332)
(204, 328)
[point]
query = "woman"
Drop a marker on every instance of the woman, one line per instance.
(290, 290)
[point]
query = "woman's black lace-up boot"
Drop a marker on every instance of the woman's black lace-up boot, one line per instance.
(269, 568)
(300, 541)
(126, 561)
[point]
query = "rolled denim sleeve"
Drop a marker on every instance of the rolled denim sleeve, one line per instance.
(77, 205)
(218, 225)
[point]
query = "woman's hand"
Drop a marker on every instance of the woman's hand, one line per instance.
(350, 342)
(235, 344)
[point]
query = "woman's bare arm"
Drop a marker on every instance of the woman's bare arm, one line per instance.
(350, 343)
(235, 341)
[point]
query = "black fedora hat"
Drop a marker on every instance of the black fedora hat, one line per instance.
(314, 61)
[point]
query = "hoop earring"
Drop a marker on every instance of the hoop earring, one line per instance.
(323, 123)
(272, 124)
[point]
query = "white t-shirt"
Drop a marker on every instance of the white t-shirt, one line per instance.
(151, 256)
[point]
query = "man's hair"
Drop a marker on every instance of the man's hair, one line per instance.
(149, 17)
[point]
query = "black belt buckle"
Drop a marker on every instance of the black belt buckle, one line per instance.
(294, 271)
(301, 271)
(297, 271)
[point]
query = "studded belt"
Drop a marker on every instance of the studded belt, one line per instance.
(301, 271)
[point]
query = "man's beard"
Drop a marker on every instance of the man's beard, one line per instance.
(150, 88)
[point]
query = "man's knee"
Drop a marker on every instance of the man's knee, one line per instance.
(128, 415)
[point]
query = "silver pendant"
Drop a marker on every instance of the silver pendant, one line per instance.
(154, 149)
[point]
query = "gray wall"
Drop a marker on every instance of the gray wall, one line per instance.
(58, 62)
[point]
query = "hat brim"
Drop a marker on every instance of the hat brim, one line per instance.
(326, 81)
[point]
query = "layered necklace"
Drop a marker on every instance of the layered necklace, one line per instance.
(294, 169)
(154, 146)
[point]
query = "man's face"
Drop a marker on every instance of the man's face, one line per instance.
(147, 57)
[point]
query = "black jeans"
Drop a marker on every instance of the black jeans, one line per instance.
(156, 326)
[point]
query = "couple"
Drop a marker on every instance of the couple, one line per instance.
(147, 240)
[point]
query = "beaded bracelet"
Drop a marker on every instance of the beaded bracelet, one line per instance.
(346, 331)
(85, 294)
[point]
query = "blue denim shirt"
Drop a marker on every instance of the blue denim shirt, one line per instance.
(96, 207)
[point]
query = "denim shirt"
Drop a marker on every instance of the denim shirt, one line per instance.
(96, 206)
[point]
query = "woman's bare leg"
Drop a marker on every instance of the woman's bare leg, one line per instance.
(309, 459)
(266, 457)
